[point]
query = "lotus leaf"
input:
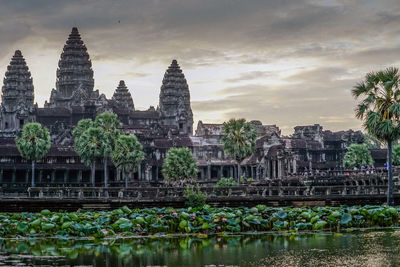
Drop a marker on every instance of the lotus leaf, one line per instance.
(346, 219)
(45, 212)
(319, 225)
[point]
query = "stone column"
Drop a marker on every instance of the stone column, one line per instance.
(66, 174)
(279, 168)
(80, 176)
(156, 173)
(40, 180)
(231, 171)
(273, 169)
(221, 172)
(14, 175)
(202, 173)
(209, 172)
(140, 172)
(294, 163)
(53, 176)
(27, 176)
(252, 172)
(1, 175)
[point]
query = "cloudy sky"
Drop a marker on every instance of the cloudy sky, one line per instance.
(282, 62)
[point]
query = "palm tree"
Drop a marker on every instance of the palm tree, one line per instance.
(239, 140)
(89, 146)
(379, 109)
(109, 124)
(34, 144)
(127, 154)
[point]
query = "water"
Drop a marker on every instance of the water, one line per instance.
(351, 249)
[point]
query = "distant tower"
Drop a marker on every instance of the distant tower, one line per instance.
(175, 100)
(123, 97)
(17, 106)
(75, 80)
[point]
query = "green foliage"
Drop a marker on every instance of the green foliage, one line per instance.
(179, 165)
(203, 219)
(379, 107)
(127, 153)
(82, 126)
(89, 145)
(34, 142)
(109, 124)
(226, 182)
(244, 180)
(239, 139)
(194, 198)
(372, 142)
(357, 155)
(396, 155)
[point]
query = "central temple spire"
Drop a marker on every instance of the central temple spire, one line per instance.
(175, 100)
(74, 73)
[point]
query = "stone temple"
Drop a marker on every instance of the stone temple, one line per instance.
(170, 124)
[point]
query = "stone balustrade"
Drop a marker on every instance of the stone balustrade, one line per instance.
(168, 193)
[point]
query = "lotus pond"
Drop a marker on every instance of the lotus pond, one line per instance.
(360, 248)
(206, 220)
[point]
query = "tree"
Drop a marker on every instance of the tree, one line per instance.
(396, 155)
(109, 124)
(127, 154)
(34, 144)
(372, 142)
(89, 146)
(179, 165)
(357, 155)
(239, 140)
(379, 109)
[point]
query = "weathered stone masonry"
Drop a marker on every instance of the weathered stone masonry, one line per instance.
(170, 124)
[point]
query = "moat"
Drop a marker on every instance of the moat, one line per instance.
(376, 248)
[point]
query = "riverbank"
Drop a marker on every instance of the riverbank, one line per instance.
(206, 220)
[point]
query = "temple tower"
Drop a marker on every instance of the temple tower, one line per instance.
(17, 106)
(75, 81)
(123, 97)
(175, 100)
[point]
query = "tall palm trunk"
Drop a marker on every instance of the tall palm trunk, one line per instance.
(33, 173)
(93, 172)
(105, 173)
(239, 172)
(105, 177)
(390, 200)
(125, 177)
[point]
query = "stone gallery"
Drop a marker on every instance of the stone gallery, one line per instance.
(170, 124)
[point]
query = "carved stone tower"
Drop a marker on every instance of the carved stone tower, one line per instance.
(123, 97)
(75, 81)
(175, 100)
(17, 106)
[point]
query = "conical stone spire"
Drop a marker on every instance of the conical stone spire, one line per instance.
(17, 93)
(175, 99)
(123, 97)
(74, 72)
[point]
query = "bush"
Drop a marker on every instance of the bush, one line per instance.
(227, 182)
(244, 180)
(194, 198)
(179, 165)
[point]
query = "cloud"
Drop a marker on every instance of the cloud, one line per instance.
(285, 62)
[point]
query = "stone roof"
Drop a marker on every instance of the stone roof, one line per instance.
(144, 114)
(122, 96)
(53, 112)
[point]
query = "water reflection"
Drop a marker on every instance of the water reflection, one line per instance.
(361, 249)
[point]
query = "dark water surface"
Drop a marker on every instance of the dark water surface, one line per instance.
(378, 248)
